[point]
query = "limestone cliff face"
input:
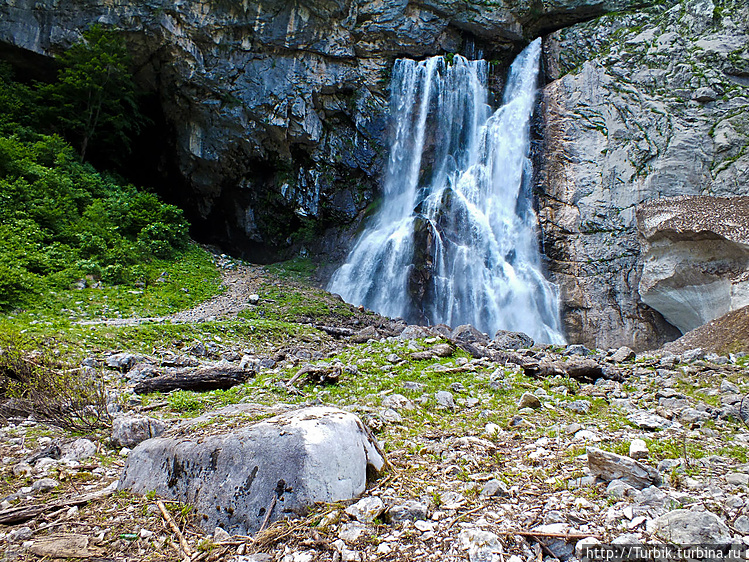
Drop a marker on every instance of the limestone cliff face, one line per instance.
(640, 106)
(275, 113)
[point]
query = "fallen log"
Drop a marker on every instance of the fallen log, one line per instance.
(22, 513)
(210, 378)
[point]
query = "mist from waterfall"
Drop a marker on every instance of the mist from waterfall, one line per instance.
(455, 240)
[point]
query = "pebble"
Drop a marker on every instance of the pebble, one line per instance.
(528, 400)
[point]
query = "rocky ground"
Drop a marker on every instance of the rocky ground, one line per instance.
(496, 451)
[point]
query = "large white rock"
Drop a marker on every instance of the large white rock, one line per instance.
(321, 454)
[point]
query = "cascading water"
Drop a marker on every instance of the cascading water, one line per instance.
(455, 239)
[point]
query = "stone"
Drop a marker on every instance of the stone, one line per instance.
(646, 420)
(366, 509)
(692, 416)
(742, 524)
(685, 527)
(123, 362)
(737, 479)
(303, 456)
(408, 511)
(78, 450)
(623, 354)
(414, 386)
(45, 485)
(443, 350)
(397, 402)
(64, 546)
(638, 450)
(444, 400)
(494, 488)
(582, 546)
(413, 332)
(576, 349)
(512, 340)
(253, 299)
(219, 535)
(129, 430)
(528, 400)
(727, 387)
(692, 355)
(482, 546)
(391, 416)
(619, 489)
(351, 532)
(578, 406)
(610, 466)
(466, 333)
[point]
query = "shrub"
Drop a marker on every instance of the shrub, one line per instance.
(39, 385)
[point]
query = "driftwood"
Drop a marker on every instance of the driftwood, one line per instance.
(22, 513)
(319, 374)
(210, 378)
(585, 370)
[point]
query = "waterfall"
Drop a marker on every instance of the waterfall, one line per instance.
(455, 238)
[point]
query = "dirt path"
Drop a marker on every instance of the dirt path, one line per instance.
(240, 282)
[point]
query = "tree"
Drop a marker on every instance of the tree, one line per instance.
(95, 98)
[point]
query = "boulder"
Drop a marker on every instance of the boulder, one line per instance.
(316, 454)
(610, 466)
(528, 400)
(129, 430)
(512, 340)
(466, 333)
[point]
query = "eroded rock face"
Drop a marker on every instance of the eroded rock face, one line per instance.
(301, 457)
(276, 112)
(696, 265)
(628, 119)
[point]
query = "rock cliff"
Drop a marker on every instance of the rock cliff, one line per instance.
(275, 114)
(641, 105)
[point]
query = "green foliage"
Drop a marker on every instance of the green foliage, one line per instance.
(61, 221)
(94, 98)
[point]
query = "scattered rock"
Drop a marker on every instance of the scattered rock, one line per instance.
(737, 479)
(78, 450)
(444, 400)
(638, 450)
(646, 420)
(494, 488)
(64, 546)
(413, 332)
(482, 546)
(408, 511)
(308, 455)
(414, 386)
(45, 485)
(623, 354)
(512, 340)
(366, 509)
(578, 406)
(219, 535)
(576, 349)
(397, 402)
(610, 466)
(129, 430)
(468, 334)
(685, 527)
(528, 400)
(443, 350)
(123, 362)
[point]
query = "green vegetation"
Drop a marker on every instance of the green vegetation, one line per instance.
(62, 223)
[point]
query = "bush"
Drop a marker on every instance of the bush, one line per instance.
(39, 385)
